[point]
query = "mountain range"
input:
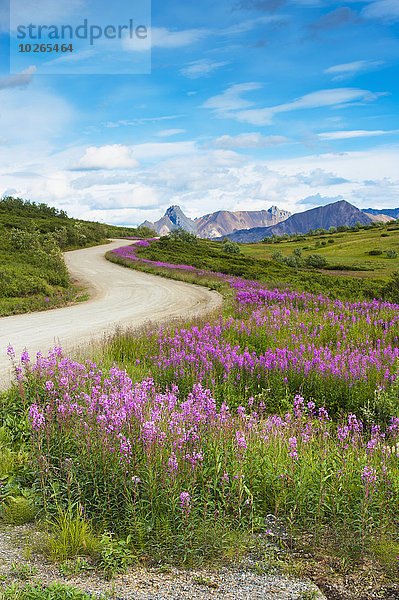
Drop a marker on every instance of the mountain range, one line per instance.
(218, 224)
(331, 215)
(253, 226)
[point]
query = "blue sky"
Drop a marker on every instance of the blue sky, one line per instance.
(248, 103)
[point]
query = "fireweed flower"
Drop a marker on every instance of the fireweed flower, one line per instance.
(173, 465)
(25, 357)
(293, 445)
(369, 475)
(225, 479)
(241, 444)
(185, 502)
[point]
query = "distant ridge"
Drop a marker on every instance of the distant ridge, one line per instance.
(331, 215)
(389, 212)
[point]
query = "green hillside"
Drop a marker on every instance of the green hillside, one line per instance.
(33, 275)
(346, 252)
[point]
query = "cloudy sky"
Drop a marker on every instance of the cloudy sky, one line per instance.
(248, 103)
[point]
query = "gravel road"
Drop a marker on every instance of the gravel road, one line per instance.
(119, 297)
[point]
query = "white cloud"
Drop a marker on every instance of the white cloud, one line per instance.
(161, 37)
(320, 178)
(114, 156)
(384, 10)
(124, 196)
(139, 121)
(357, 133)
(169, 132)
(249, 24)
(200, 179)
(201, 68)
(230, 99)
(319, 200)
(250, 140)
(158, 150)
(20, 80)
(321, 98)
(231, 104)
(130, 217)
(345, 70)
(164, 38)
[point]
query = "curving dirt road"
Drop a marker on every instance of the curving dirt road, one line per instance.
(119, 297)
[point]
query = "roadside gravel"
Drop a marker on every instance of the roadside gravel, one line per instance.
(167, 583)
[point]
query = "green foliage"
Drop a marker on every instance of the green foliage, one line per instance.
(42, 591)
(392, 253)
(391, 289)
(70, 535)
(278, 256)
(316, 261)
(74, 566)
(18, 511)
(116, 555)
(387, 553)
(22, 571)
(230, 247)
(295, 260)
(181, 235)
(381, 407)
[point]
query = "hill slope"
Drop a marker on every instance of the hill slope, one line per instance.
(33, 275)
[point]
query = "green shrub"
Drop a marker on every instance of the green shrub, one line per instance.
(230, 247)
(116, 555)
(19, 511)
(316, 261)
(181, 235)
(278, 256)
(392, 253)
